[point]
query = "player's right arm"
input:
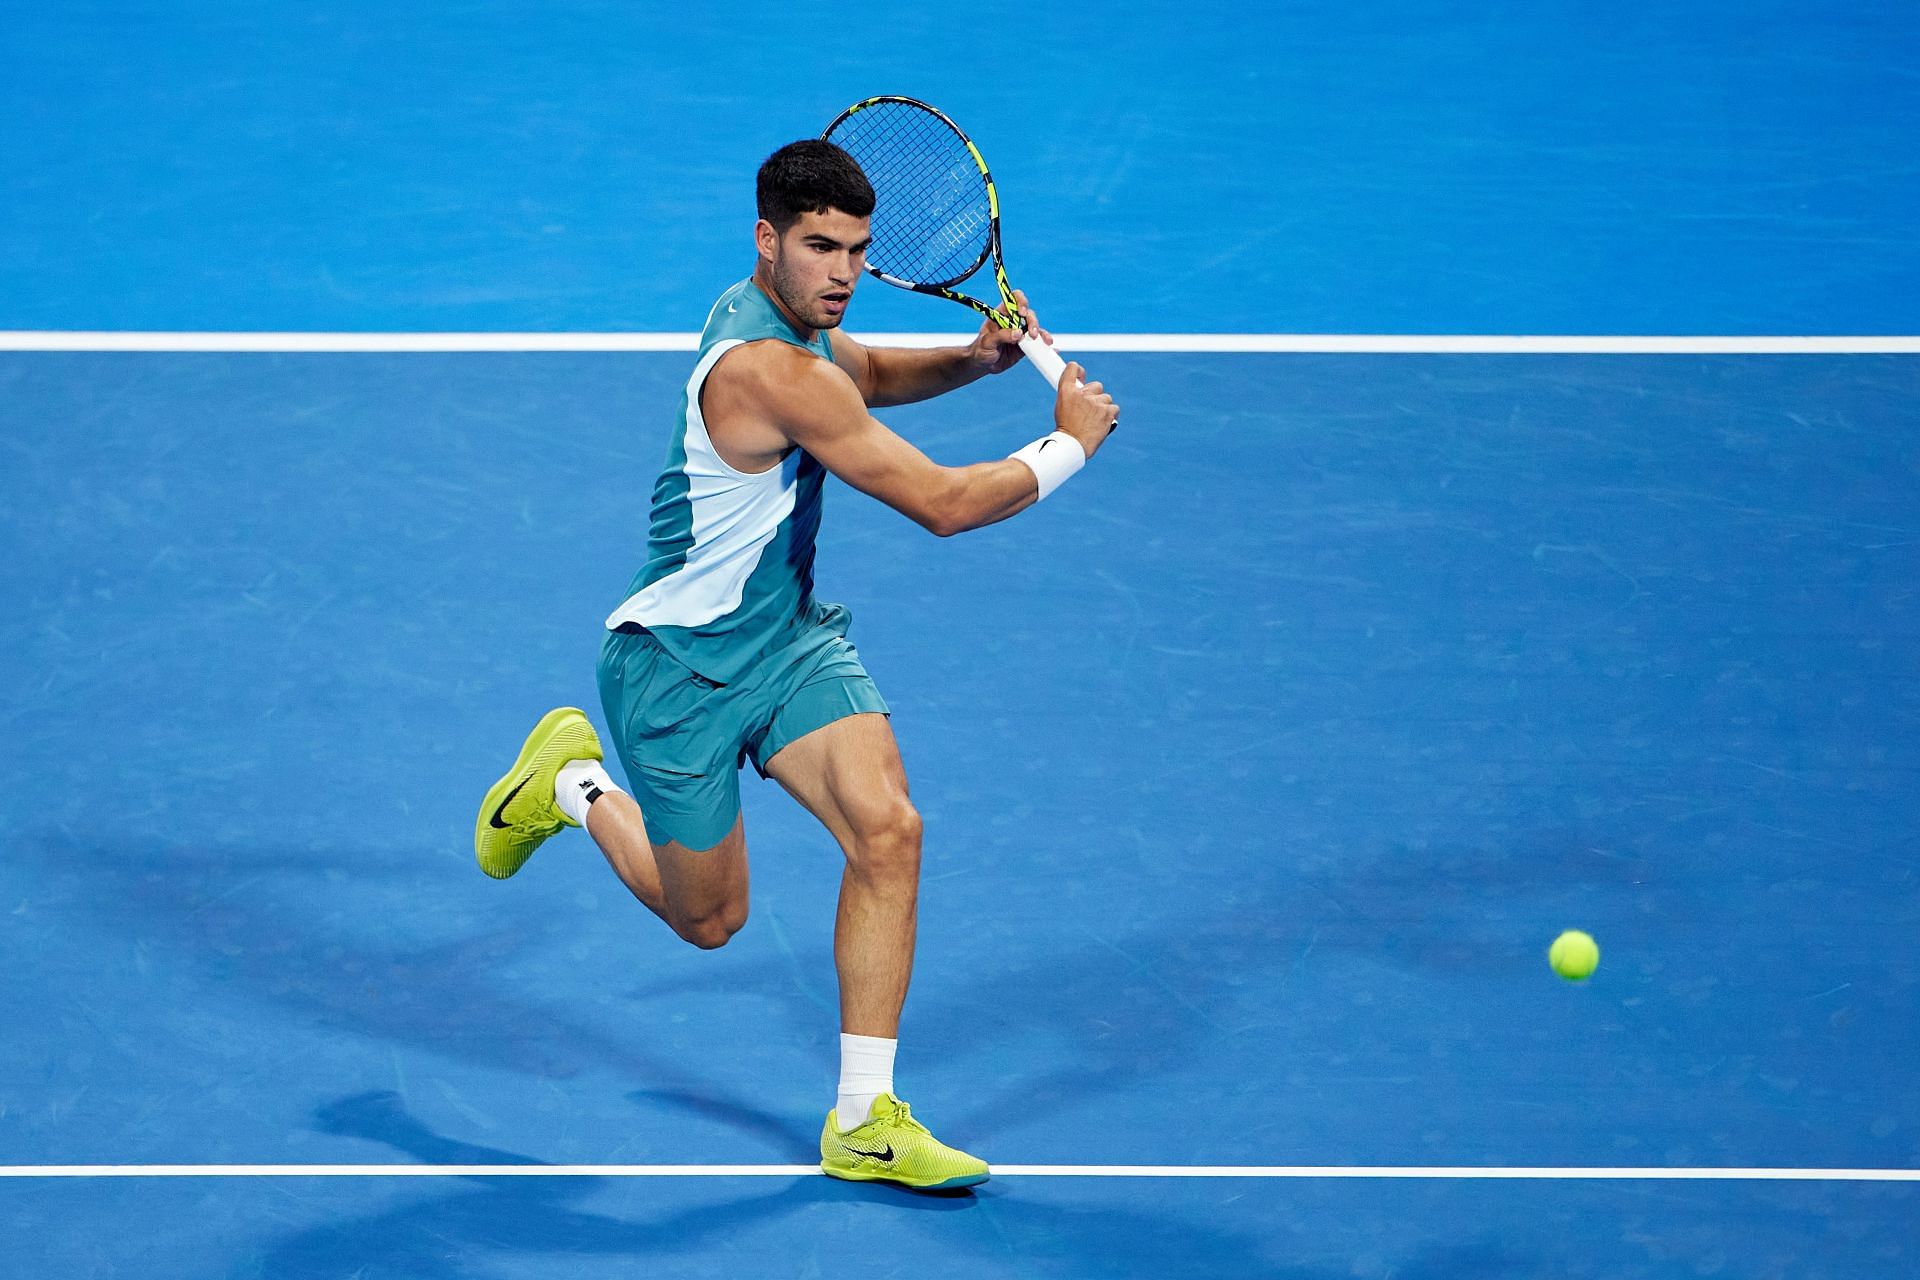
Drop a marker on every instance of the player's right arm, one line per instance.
(817, 407)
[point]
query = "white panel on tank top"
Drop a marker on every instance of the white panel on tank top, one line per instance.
(735, 516)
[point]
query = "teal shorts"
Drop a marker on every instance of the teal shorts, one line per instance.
(683, 738)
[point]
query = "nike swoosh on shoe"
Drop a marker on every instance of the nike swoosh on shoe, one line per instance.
(495, 819)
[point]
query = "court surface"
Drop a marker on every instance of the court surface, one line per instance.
(1259, 765)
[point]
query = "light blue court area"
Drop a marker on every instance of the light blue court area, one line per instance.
(1513, 166)
(1259, 766)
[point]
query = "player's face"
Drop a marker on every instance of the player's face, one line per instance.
(817, 263)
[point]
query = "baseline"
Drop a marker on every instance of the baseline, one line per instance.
(1456, 1172)
(1149, 343)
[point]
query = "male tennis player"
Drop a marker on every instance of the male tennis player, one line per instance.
(720, 653)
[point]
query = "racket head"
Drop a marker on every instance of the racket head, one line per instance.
(936, 216)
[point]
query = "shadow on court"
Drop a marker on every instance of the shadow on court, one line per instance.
(240, 923)
(270, 945)
(380, 1115)
(502, 1219)
(772, 1130)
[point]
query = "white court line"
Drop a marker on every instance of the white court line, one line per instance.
(1186, 343)
(1458, 1172)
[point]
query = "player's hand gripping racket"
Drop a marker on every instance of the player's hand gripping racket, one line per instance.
(936, 217)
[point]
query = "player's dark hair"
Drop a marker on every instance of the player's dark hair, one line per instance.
(811, 176)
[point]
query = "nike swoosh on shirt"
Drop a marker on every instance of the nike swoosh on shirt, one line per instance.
(732, 307)
(495, 819)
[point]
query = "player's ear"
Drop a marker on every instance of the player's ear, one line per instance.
(765, 239)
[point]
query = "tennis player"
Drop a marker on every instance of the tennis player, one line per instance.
(721, 654)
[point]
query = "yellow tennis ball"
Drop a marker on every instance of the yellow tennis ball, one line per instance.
(1574, 955)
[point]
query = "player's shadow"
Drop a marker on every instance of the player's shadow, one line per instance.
(379, 1115)
(502, 1227)
(778, 1133)
(453, 1234)
(277, 926)
(492, 1223)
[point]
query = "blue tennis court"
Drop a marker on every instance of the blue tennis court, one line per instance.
(1259, 766)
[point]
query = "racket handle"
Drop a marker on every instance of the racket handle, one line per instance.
(1047, 361)
(1044, 358)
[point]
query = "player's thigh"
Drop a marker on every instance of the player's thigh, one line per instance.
(705, 882)
(849, 775)
(694, 824)
(829, 743)
(679, 737)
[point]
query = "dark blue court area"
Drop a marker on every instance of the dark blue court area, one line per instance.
(1259, 768)
(1260, 765)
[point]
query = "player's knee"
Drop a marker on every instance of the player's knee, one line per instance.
(889, 842)
(710, 933)
(711, 928)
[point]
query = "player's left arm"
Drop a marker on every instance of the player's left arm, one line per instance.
(903, 375)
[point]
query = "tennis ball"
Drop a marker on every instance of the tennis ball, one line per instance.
(1574, 955)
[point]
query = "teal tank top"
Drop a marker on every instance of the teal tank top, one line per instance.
(728, 580)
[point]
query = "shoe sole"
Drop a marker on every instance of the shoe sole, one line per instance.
(498, 791)
(950, 1184)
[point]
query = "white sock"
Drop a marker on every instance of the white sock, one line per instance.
(578, 784)
(866, 1072)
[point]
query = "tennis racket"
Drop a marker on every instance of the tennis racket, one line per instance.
(936, 217)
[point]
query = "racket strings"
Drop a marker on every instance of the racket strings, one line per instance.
(931, 219)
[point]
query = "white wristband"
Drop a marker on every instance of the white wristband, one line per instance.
(1053, 460)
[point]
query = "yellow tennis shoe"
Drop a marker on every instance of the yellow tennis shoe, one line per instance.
(894, 1147)
(520, 811)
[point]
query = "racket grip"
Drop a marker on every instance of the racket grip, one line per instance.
(1044, 358)
(1047, 361)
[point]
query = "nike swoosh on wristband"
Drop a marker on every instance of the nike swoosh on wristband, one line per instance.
(495, 819)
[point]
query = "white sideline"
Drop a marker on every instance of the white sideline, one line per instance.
(1070, 343)
(1467, 1172)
